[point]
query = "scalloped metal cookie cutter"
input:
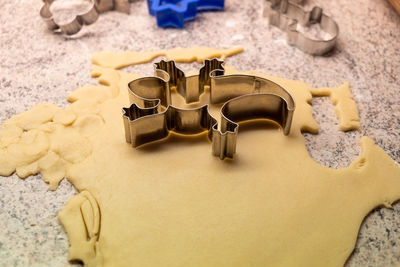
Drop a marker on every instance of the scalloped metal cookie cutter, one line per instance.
(152, 115)
(88, 17)
(285, 15)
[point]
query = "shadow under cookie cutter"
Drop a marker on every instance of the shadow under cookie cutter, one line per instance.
(285, 15)
(88, 17)
(152, 115)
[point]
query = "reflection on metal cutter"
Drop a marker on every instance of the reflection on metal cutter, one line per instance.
(88, 17)
(152, 114)
(285, 14)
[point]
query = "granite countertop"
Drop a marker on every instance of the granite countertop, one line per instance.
(38, 66)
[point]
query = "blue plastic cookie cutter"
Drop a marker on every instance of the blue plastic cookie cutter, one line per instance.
(174, 13)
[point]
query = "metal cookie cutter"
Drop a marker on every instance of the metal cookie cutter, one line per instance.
(174, 13)
(88, 17)
(285, 15)
(152, 115)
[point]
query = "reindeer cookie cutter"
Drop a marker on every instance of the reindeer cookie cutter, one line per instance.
(151, 116)
(286, 14)
(86, 18)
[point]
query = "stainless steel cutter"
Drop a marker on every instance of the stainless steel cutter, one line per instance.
(88, 17)
(152, 114)
(287, 14)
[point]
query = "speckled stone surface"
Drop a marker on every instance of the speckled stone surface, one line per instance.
(37, 66)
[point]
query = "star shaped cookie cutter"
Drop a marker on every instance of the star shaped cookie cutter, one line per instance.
(152, 116)
(88, 17)
(174, 13)
(285, 15)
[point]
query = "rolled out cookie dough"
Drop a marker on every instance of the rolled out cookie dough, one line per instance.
(174, 204)
(117, 60)
(345, 106)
